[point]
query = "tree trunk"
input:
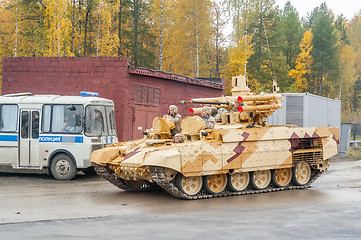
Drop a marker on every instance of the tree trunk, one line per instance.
(16, 34)
(197, 38)
(260, 39)
(73, 29)
(135, 28)
(120, 28)
(321, 75)
(161, 35)
(98, 35)
(85, 30)
(79, 37)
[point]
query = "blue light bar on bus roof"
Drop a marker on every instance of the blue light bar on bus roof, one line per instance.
(89, 94)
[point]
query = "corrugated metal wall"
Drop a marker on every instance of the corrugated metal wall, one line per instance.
(307, 110)
(294, 112)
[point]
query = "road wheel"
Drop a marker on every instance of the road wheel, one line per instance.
(281, 177)
(238, 181)
(216, 183)
(260, 179)
(189, 185)
(301, 173)
(62, 167)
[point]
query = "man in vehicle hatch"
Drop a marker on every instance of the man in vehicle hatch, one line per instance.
(207, 117)
(176, 118)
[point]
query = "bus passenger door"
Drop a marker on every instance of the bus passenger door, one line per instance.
(29, 138)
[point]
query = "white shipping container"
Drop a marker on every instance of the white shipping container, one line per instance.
(307, 110)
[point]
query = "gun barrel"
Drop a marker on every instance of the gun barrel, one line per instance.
(259, 107)
(199, 110)
(212, 101)
(259, 97)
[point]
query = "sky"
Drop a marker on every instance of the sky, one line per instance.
(349, 8)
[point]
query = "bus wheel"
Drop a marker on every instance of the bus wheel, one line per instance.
(62, 167)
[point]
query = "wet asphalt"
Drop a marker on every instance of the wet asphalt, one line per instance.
(38, 207)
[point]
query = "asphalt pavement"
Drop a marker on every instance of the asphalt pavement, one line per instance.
(38, 207)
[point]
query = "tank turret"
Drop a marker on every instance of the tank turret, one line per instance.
(254, 108)
(242, 154)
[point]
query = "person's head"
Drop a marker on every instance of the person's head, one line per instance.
(98, 116)
(237, 104)
(178, 138)
(206, 111)
(173, 110)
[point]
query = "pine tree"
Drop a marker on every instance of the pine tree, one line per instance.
(324, 52)
(290, 29)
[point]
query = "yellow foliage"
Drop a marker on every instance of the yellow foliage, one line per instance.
(186, 37)
(348, 75)
(303, 62)
(58, 28)
(107, 40)
(6, 34)
(238, 58)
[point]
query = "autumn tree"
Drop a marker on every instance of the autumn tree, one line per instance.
(107, 43)
(261, 66)
(239, 56)
(6, 33)
(58, 28)
(303, 63)
(162, 22)
(347, 75)
(188, 38)
(242, 13)
(218, 58)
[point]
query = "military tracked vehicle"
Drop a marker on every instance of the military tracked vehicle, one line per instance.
(243, 154)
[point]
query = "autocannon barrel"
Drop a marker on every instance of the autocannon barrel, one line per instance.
(259, 97)
(259, 107)
(212, 101)
(199, 110)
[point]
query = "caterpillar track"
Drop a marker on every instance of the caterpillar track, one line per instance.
(169, 186)
(128, 186)
(161, 181)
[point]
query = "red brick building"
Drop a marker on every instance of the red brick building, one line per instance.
(139, 94)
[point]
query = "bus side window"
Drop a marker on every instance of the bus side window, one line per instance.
(46, 118)
(35, 124)
(24, 124)
(8, 118)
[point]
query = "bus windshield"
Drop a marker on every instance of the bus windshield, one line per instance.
(99, 120)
